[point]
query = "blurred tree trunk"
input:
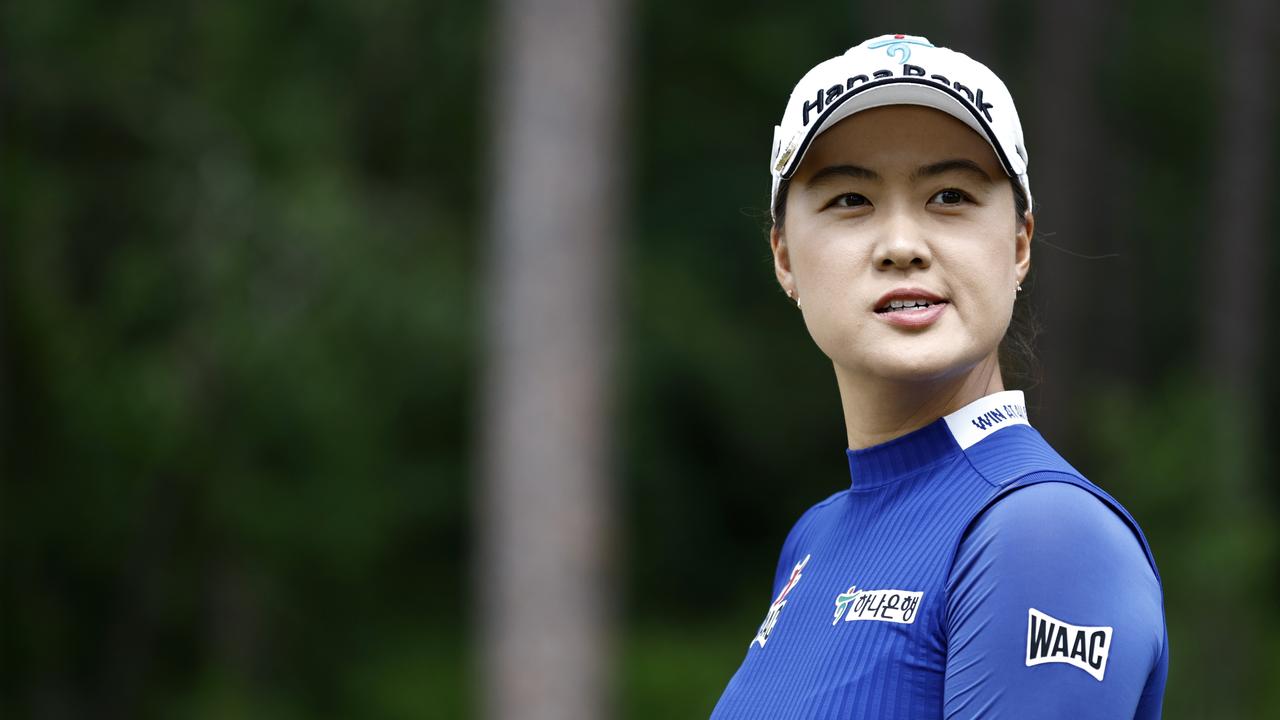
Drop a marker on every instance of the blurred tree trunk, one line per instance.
(544, 511)
(1236, 258)
(1064, 138)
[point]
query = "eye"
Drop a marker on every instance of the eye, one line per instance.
(949, 197)
(849, 200)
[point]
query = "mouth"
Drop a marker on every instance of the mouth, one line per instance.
(908, 305)
(910, 308)
(907, 300)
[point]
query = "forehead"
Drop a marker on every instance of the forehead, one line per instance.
(898, 136)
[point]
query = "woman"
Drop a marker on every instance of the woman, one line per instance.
(968, 571)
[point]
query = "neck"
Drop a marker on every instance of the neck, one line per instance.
(877, 409)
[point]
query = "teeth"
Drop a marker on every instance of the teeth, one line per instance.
(915, 304)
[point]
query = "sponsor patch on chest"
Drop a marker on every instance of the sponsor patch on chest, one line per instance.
(771, 618)
(1050, 640)
(896, 606)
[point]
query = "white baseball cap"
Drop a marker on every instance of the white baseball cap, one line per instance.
(899, 70)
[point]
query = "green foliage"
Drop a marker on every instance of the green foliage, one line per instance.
(1185, 460)
(239, 312)
(236, 357)
(680, 670)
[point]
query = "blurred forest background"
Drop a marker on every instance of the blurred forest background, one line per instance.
(249, 271)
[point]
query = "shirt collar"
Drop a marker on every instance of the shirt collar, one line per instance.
(940, 439)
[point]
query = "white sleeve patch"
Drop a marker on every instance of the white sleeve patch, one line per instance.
(1050, 640)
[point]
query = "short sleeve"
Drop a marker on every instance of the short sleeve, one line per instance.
(1053, 611)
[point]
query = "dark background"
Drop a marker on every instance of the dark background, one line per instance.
(240, 310)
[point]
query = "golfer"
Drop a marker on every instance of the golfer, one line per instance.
(968, 571)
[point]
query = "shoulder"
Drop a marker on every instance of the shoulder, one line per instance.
(1056, 513)
(1057, 545)
(812, 517)
(1037, 490)
(798, 534)
(1056, 526)
(1052, 605)
(816, 511)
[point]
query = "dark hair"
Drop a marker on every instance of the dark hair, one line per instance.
(1017, 348)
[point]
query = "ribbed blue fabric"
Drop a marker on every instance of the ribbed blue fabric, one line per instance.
(887, 544)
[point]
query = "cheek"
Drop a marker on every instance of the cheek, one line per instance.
(997, 311)
(832, 274)
(828, 260)
(984, 289)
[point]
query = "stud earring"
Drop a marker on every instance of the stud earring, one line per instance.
(792, 294)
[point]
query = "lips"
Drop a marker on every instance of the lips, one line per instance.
(910, 307)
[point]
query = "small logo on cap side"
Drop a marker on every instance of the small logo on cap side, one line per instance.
(785, 156)
(899, 46)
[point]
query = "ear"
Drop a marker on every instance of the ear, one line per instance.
(781, 260)
(1022, 246)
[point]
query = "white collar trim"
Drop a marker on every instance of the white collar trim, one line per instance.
(986, 415)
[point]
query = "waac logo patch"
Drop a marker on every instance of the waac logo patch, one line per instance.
(766, 627)
(1049, 640)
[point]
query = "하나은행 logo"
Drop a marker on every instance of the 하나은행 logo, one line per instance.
(896, 606)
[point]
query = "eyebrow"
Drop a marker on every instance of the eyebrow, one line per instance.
(932, 170)
(946, 166)
(831, 171)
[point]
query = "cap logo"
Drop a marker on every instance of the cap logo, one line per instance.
(824, 97)
(899, 46)
(785, 156)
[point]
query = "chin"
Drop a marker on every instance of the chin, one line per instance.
(920, 362)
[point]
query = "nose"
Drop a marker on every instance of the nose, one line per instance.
(901, 245)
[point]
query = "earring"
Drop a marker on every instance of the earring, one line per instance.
(1015, 292)
(792, 294)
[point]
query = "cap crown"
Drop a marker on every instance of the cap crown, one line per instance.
(894, 70)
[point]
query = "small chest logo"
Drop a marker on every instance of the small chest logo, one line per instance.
(766, 627)
(896, 606)
(1049, 640)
